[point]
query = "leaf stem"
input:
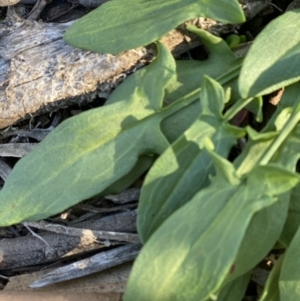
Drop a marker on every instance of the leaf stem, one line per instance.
(180, 103)
(194, 95)
(241, 103)
(287, 129)
(230, 75)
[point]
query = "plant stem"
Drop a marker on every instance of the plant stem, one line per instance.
(194, 95)
(241, 103)
(286, 130)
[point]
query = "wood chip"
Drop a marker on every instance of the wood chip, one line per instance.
(16, 149)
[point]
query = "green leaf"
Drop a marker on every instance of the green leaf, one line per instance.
(265, 70)
(259, 143)
(190, 72)
(235, 290)
(233, 40)
(263, 232)
(266, 225)
(289, 280)
(295, 197)
(288, 156)
(291, 226)
(292, 222)
(191, 248)
(90, 152)
(189, 78)
(197, 245)
(269, 177)
(184, 168)
(120, 25)
(141, 166)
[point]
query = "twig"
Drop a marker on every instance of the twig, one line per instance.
(85, 233)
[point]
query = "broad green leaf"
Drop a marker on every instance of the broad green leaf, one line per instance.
(188, 81)
(90, 152)
(174, 125)
(221, 64)
(141, 166)
(120, 25)
(235, 290)
(190, 72)
(255, 148)
(192, 252)
(160, 72)
(271, 289)
(289, 280)
(263, 232)
(292, 223)
(189, 77)
(295, 197)
(273, 60)
(184, 168)
(288, 156)
(256, 107)
(266, 225)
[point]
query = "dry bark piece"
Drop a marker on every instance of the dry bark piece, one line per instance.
(96, 263)
(16, 149)
(112, 280)
(254, 7)
(275, 97)
(53, 296)
(37, 9)
(29, 250)
(122, 222)
(128, 195)
(8, 2)
(5, 169)
(109, 209)
(85, 234)
(38, 134)
(42, 73)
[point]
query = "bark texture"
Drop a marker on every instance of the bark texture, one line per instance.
(39, 72)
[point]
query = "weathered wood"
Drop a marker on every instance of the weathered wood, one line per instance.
(93, 264)
(58, 296)
(85, 234)
(8, 2)
(29, 250)
(39, 72)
